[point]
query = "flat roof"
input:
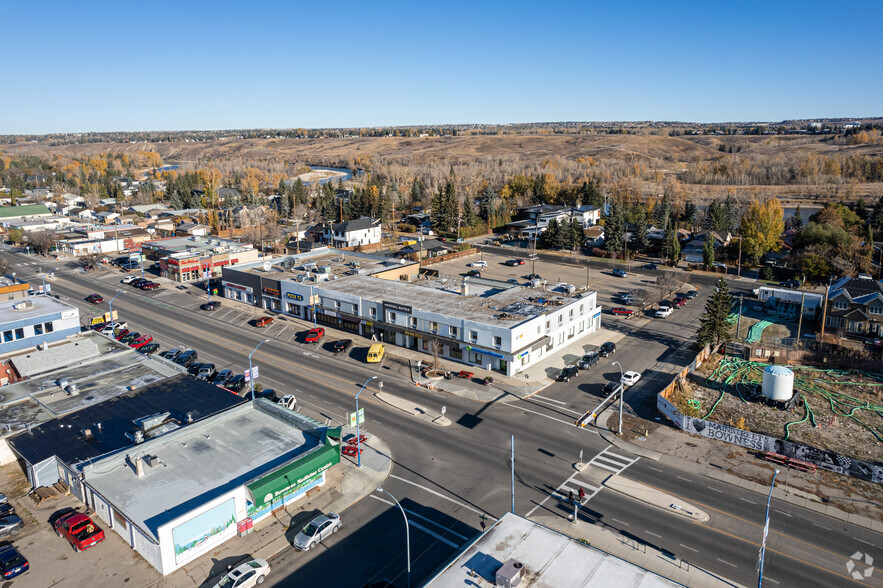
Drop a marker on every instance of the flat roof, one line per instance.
(549, 558)
(39, 306)
(110, 420)
(339, 263)
(504, 303)
(196, 244)
(202, 461)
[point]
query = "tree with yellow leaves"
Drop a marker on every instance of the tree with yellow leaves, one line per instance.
(761, 228)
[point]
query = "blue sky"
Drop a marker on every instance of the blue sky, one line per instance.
(95, 66)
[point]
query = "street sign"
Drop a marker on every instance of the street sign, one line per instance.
(361, 417)
(97, 320)
(252, 373)
(444, 409)
(48, 288)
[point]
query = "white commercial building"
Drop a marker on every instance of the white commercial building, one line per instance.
(487, 323)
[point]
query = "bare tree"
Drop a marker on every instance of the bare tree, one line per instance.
(90, 260)
(5, 265)
(41, 241)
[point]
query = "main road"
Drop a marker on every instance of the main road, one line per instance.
(454, 480)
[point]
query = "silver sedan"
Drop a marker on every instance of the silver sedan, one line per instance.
(316, 530)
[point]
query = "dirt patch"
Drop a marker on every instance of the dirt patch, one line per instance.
(632, 427)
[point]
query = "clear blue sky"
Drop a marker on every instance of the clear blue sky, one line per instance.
(96, 66)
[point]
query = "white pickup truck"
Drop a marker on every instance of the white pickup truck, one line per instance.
(663, 312)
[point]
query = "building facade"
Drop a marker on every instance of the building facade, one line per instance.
(360, 231)
(34, 321)
(195, 258)
(855, 307)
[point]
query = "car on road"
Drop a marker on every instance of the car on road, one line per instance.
(473, 274)
(12, 562)
(149, 349)
(213, 305)
(236, 383)
(679, 302)
(607, 349)
(129, 337)
(663, 312)
(719, 264)
(566, 374)
(138, 281)
(619, 310)
(10, 526)
(186, 358)
(314, 335)
(342, 345)
(205, 371)
(650, 266)
(514, 262)
(268, 393)
(316, 530)
(611, 387)
(790, 284)
(246, 575)
(149, 286)
(478, 264)
(80, 530)
(94, 298)
(588, 360)
(128, 279)
(141, 342)
(220, 378)
(691, 294)
(630, 378)
(288, 401)
(264, 321)
(620, 273)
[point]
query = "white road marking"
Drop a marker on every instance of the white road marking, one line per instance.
(768, 579)
(746, 500)
(519, 407)
(822, 527)
(654, 469)
(577, 413)
(684, 479)
(726, 562)
(440, 495)
(621, 522)
(865, 542)
(688, 547)
(783, 512)
(549, 399)
(421, 527)
(652, 533)
(419, 516)
(715, 490)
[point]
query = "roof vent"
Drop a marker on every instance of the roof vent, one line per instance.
(152, 421)
(73, 390)
(87, 434)
(511, 574)
(152, 460)
(138, 436)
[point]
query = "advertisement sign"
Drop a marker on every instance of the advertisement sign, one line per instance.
(252, 373)
(397, 307)
(203, 531)
(361, 418)
(271, 292)
(294, 296)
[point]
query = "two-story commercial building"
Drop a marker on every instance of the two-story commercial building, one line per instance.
(492, 324)
(855, 306)
(34, 321)
(188, 259)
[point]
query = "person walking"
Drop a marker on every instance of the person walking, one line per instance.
(582, 494)
(570, 496)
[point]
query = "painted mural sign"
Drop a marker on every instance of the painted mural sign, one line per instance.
(203, 530)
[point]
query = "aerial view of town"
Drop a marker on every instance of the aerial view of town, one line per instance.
(460, 295)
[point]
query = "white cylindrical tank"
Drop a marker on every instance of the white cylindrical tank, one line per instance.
(778, 383)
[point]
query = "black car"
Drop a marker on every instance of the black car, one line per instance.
(473, 273)
(650, 266)
(567, 373)
(534, 277)
(607, 349)
(213, 305)
(588, 360)
(268, 393)
(171, 353)
(126, 339)
(186, 358)
(138, 281)
(790, 284)
(194, 367)
(149, 349)
(220, 378)
(611, 387)
(236, 383)
(342, 345)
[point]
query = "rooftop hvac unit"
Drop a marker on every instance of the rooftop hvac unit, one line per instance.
(511, 574)
(151, 460)
(23, 305)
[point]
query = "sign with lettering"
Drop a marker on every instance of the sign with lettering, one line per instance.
(294, 296)
(397, 307)
(271, 292)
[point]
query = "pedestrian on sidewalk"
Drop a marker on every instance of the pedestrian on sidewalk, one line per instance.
(582, 494)
(570, 496)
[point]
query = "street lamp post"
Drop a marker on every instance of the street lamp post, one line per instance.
(766, 528)
(250, 372)
(407, 533)
(358, 437)
(110, 305)
(621, 394)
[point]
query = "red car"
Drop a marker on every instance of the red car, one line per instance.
(622, 311)
(121, 334)
(264, 321)
(149, 286)
(79, 530)
(94, 299)
(314, 335)
(679, 302)
(140, 342)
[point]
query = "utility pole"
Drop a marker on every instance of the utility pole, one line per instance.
(587, 275)
(512, 482)
(739, 262)
(824, 313)
(739, 319)
(800, 319)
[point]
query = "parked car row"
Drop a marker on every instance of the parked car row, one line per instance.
(142, 283)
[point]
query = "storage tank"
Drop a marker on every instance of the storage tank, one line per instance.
(778, 383)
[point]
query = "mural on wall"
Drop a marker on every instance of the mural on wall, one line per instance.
(203, 530)
(827, 460)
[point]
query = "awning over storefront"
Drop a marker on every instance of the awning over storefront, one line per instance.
(290, 478)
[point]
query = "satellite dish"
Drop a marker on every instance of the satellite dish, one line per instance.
(267, 266)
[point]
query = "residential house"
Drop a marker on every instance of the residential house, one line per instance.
(184, 229)
(693, 252)
(594, 236)
(354, 233)
(145, 208)
(106, 217)
(855, 306)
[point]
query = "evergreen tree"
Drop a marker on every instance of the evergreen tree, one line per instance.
(716, 217)
(861, 210)
(731, 215)
(417, 190)
(642, 241)
(590, 193)
(691, 213)
(467, 218)
(577, 236)
(713, 325)
(675, 253)
(668, 238)
(708, 250)
(662, 213)
(299, 193)
(551, 238)
(876, 219)
(797, 219)
(615, 228)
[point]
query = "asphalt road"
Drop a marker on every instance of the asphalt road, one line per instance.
(452, 480)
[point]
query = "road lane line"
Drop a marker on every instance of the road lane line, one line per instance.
(768, 579)
(688, 547)
(440, 495)
(746, 500)
(419, 516)
(783, 513)
(865, 542)
(715, 490)
(726, 562)
(822, 526)
(549, 399)
(519, 407)
(621, 522)
(654, 469)
(652, 533)
(577, 413)
(683, 478)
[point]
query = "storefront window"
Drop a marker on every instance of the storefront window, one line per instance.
(456, 353)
